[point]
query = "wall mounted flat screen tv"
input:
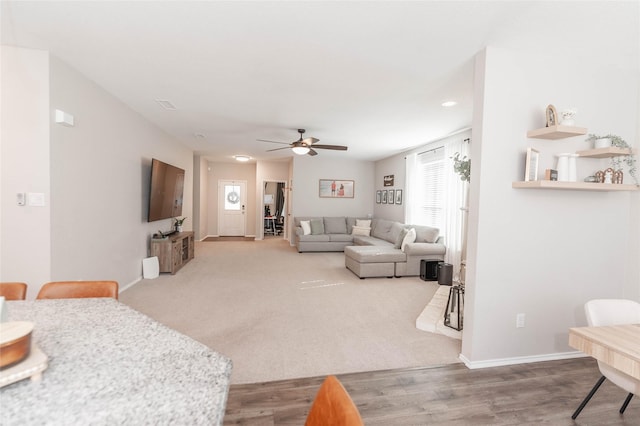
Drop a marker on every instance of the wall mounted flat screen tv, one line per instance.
(167, 187)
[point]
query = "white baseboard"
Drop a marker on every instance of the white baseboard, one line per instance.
(472, 365)
(131, 284)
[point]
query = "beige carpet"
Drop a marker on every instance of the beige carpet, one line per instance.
(280, 314)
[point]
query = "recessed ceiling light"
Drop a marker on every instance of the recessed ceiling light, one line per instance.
(243, 158)
(166, 104)
(449, 104)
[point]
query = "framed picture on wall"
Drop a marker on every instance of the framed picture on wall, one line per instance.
(552, 116)
(531, 165)
(334, 188)
(391, 196)
(398, 196)
(384, 197)
(378, 197)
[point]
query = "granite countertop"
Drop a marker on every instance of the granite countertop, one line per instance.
(110, 364)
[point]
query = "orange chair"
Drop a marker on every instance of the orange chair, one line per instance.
(13, 291)
(78, 289)
(333, 406)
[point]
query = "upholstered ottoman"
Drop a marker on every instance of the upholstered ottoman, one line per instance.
(372, 261)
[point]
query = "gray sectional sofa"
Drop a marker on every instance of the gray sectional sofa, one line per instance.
(374, 255)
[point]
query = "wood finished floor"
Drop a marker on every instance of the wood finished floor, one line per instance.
(544, 393)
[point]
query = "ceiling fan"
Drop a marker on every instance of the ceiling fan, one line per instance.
(305, 146)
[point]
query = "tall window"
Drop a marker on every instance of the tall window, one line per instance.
(428, 188)
(437, 197)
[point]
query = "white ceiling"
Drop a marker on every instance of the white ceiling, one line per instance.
(370, 75)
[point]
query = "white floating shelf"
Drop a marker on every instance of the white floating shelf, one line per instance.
(556, 132)
(611, 151)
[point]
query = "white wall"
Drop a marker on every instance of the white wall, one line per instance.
(25, 245)
(541, 252)
(100, 171)
(200, 202)
(395, 166)
(307, 172)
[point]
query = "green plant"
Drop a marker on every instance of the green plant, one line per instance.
(179, 222)
(616, 162)
(462, 166)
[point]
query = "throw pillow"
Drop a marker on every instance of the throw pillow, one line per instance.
(360, 230)
(363, 222)
(317, 226)
(409, 238)
(306, 227)
(400, 238)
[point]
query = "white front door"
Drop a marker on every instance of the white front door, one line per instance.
(232, 201)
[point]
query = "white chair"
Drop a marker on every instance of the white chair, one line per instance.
(601, 312)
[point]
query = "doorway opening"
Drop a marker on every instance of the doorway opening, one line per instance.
(232, 201)
(274, 196)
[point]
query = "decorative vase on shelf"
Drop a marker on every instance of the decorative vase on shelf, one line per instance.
(178, 228)
(568, 117)
(602, 143)
(563, 167)
(573, 174)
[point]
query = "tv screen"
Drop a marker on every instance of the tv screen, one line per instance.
(165, 197)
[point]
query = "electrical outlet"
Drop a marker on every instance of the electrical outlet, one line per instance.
(520, 321)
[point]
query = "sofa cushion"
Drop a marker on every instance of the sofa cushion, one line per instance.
(382, 229)
(426, 234)
(314, 238)
(363, 240)
(400, 238)
(317, 226)
(394, 232)
(409, 238)
(374, 254)
(350, 222)
(335, 225)
(306, 227)
(340, 237)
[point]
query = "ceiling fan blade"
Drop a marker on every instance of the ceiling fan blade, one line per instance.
(336, 147)
(278, 149)
(312, 152)
(265, 140)
(310, 141)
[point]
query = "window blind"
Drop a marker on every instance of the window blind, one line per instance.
(430, 188)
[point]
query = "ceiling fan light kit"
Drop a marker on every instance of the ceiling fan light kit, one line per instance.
(300, 150)
(304, 146)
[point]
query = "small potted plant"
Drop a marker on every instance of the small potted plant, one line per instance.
(462, 166)
(178, 223)
(568, 116)
(617, 161)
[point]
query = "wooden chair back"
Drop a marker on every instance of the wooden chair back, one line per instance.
(333, 406)
(13, 291)
(78, 289)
